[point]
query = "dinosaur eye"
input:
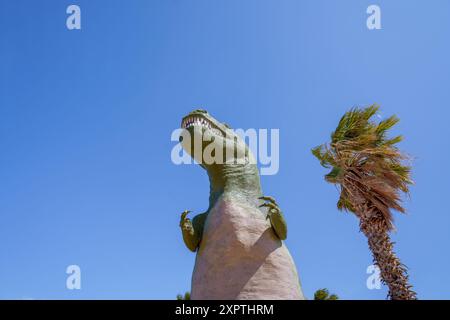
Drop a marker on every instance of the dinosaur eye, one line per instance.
(226, 125)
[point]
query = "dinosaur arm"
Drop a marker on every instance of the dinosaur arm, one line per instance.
(275, 216)
(278, 223)
(192, 230)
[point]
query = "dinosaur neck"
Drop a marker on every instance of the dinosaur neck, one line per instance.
(234, 180)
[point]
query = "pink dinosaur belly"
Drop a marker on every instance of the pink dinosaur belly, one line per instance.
(240, 257)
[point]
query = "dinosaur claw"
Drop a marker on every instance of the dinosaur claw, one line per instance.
(269, 205)
(269, 199)
(184, 214)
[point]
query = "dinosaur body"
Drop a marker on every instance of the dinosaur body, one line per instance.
(240, 252)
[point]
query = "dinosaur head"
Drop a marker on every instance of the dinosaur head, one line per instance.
(212, 143)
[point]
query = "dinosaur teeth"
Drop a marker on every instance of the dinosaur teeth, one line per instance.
(201, 122)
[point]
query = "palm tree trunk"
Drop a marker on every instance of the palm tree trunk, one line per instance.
(393, 273)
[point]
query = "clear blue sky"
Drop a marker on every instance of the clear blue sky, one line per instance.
(86, 117)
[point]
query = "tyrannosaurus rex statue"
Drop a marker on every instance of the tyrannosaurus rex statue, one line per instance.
(240, 252)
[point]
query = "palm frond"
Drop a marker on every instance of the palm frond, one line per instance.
(365, 162)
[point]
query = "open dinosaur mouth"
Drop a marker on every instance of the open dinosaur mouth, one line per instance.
(200, 122)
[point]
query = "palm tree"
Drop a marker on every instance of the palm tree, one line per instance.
(187, 296)
(324, 294)
(371, 175)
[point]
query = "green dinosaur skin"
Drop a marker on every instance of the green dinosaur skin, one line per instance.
(238, 180)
